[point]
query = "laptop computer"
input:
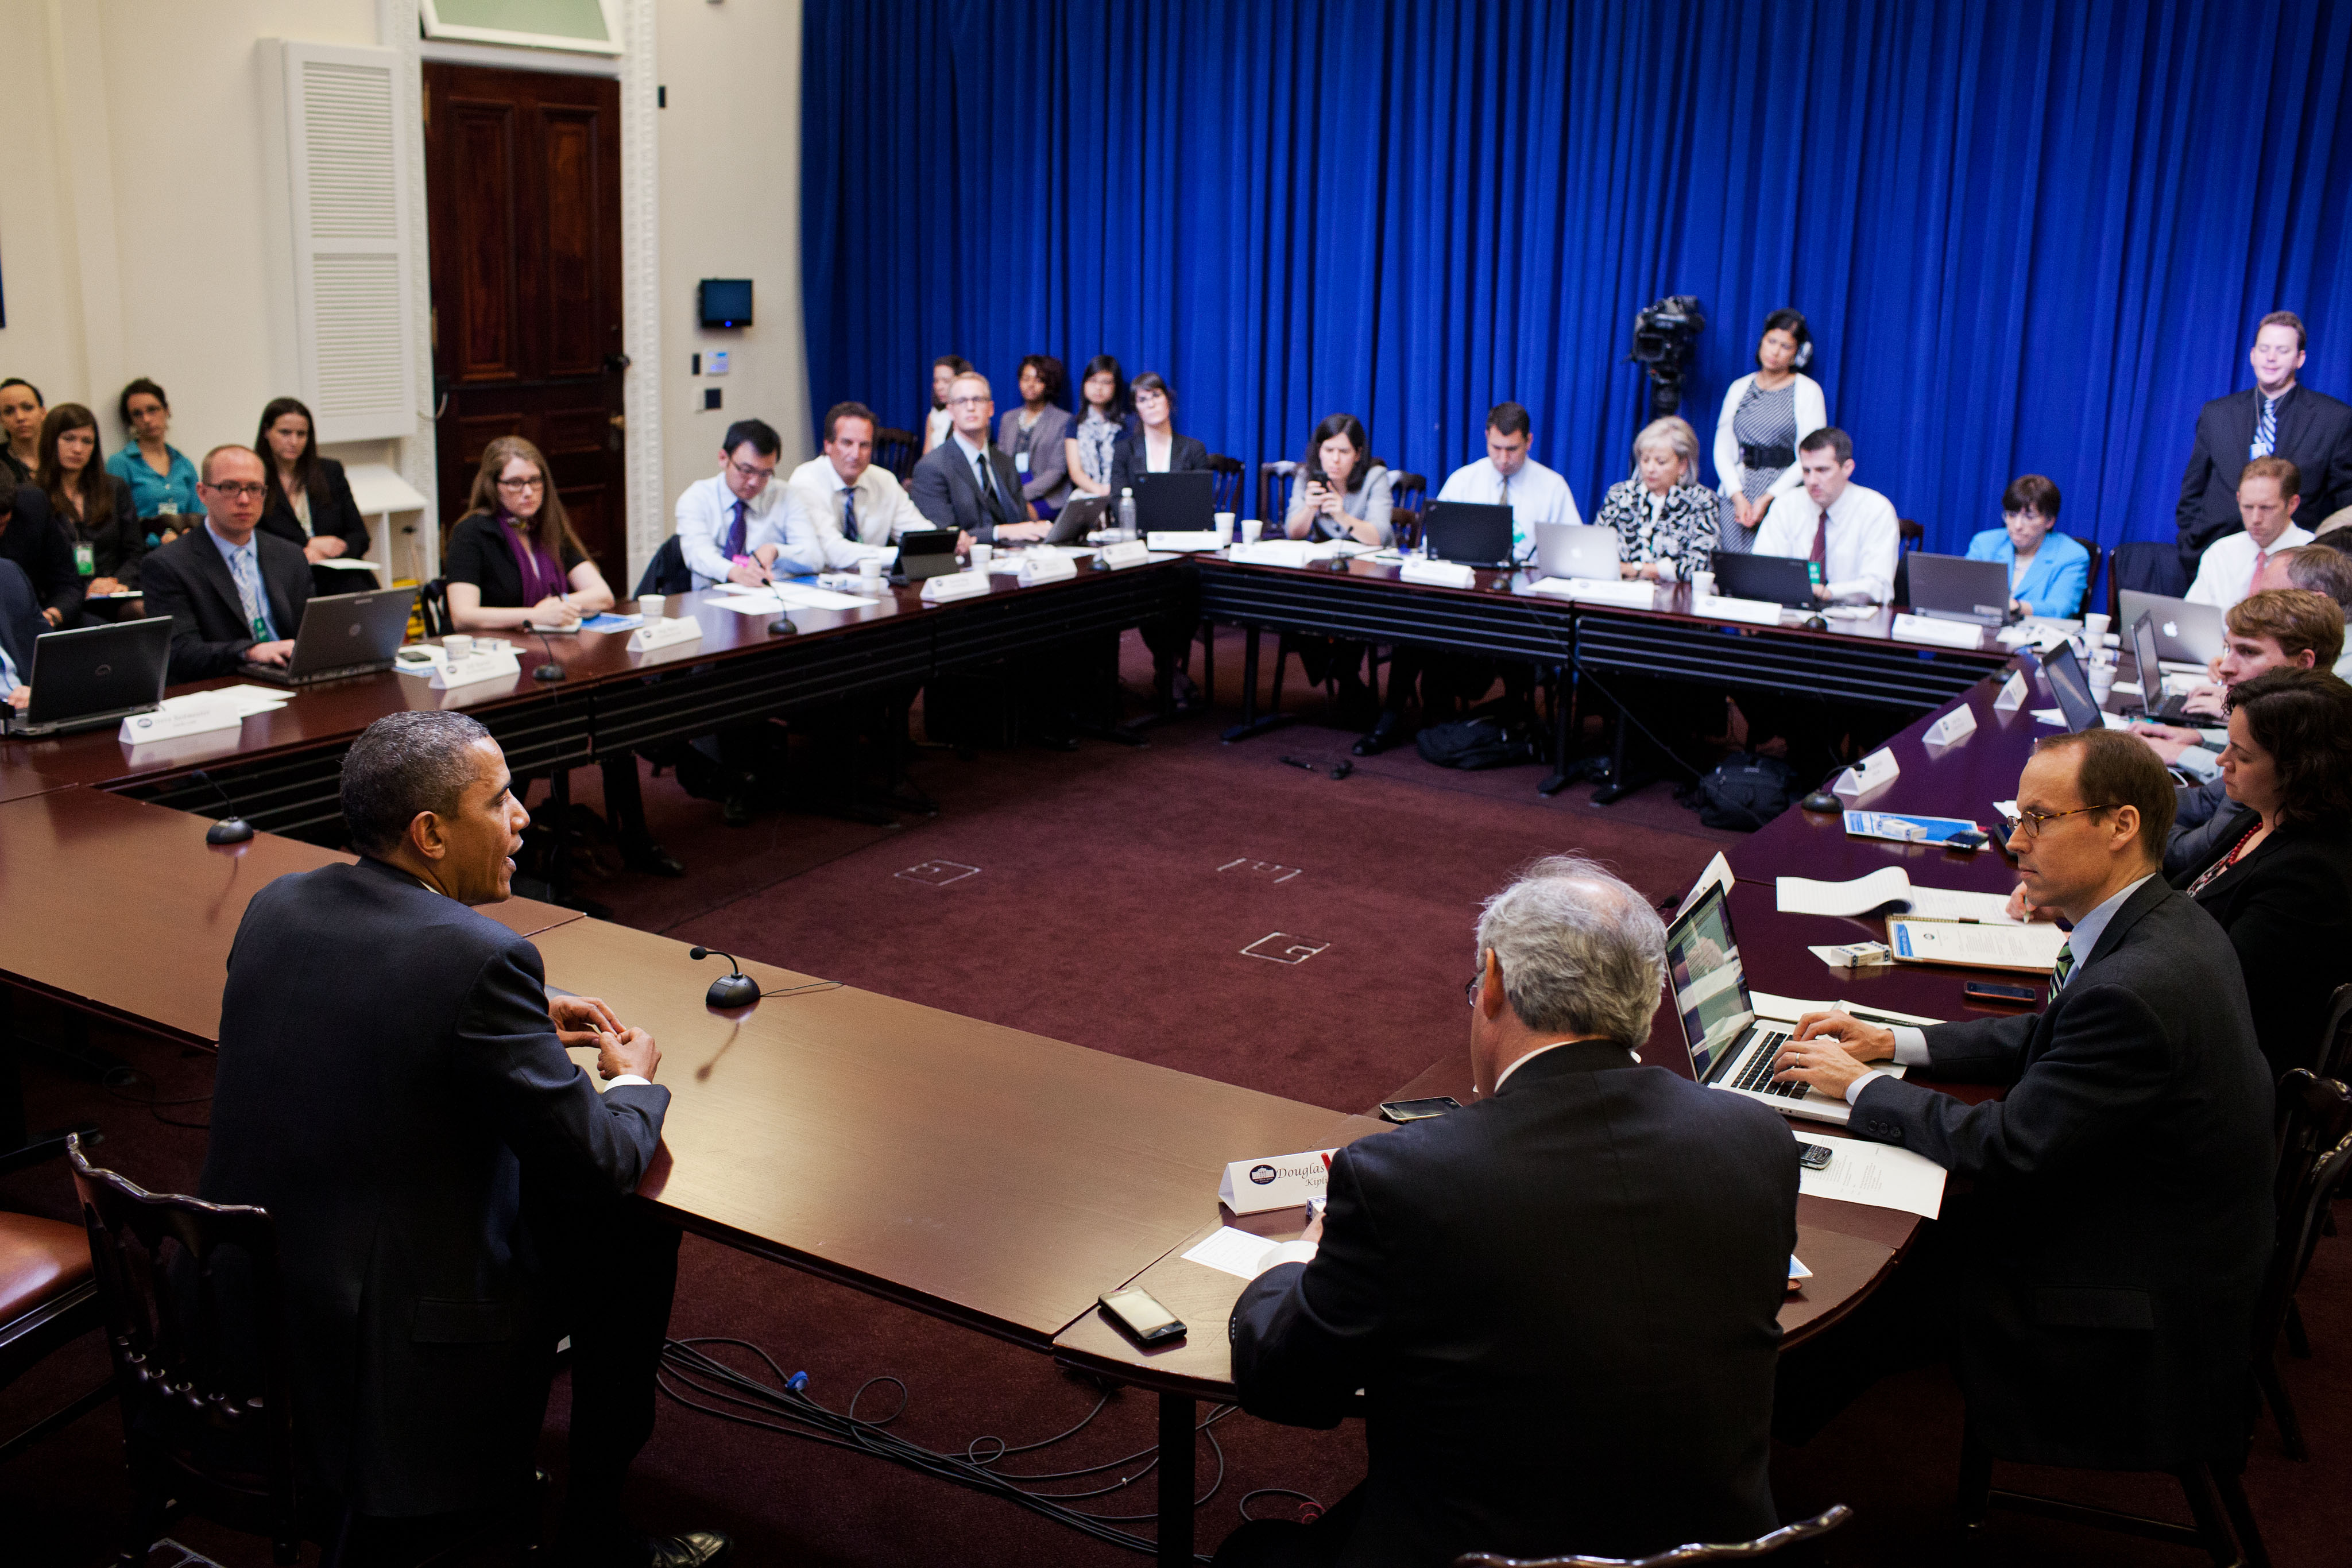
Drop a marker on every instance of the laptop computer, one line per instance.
(925, 553)
(2185, 633)
(343, 634)
(1731, 1048)
(1472, 533)
(86, 678)
(1074, 521)
(1774, 578)
(2071, 688)
(1954, 588)
(2153, 702)
(1182, 503)
(1576, 550)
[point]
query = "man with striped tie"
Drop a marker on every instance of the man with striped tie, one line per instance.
(2096, 1288)
(2276, 417)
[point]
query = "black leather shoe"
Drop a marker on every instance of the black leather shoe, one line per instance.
(696, 1549)
(654, 861)
(1390, 731)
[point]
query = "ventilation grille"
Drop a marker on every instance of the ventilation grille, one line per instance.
(362, 335)
(347, 114)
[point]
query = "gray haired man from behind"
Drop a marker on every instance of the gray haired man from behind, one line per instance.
(1561, 1303)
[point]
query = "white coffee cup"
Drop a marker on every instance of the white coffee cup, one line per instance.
(458, 646)
(2094, 627)
(869, 571)
(1251, 529)
(1702, 585)
(649, 605)
(981, 556)
(1224, 526)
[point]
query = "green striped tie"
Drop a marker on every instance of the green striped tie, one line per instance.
(2065, 967)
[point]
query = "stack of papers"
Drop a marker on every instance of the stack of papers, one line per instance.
(1297, 552)
(1232, 1251)
(1879, 1175)
(244, 700)
(2030, 948)
(1631, 592)
(778, 597)
(1893, 886)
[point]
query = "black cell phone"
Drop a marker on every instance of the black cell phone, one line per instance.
(1813, 1157)
(1140, 1314)
(1973, 838)
(1999, 991)
(1401, 1111)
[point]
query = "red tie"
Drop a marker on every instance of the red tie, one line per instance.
(1821, 555)
(2252, 581)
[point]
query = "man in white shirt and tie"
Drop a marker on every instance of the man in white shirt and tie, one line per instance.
(838, 505)
(2268, 491)
(730, 527)
(1849, 534)
(1508, 476)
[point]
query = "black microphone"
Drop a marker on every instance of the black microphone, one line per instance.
(550, 671)
(782, 626)
(734, 989)
(231, 829)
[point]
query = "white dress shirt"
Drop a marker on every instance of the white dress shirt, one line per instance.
(2225, 573)
(813, 520)
(1864, 539)
(1911, 1042)
(706, 514)
(1535, 494)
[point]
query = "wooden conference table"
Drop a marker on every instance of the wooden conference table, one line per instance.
(991, 1177)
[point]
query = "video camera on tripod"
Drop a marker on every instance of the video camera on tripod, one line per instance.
(1665, 335)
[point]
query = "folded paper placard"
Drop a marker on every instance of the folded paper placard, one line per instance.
(1942, 634)
(1956, 725)
(146, 728)
(1877, 769)
(951, 585)
(1277, 1181)
(1755, 611)
(494, 664)
(1047, 566)
(1171, 542)
(2012, 694)
(1631, 592)
(1438, 573)
(1127, 552)
(669, 631)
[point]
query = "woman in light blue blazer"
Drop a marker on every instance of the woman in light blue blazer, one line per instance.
(2048, 572)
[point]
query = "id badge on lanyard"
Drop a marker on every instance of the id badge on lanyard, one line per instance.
(85, 557)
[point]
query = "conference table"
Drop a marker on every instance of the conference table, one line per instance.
(991, 1177)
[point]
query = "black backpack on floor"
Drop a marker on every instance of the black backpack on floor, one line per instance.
(1746, 792)
(1473, 742)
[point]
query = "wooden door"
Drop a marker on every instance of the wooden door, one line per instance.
(523, 193)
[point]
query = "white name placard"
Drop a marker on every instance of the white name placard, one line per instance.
(498, 664)
(1873, 771)
(1942, 634)
(2012, 694)
(1172, 543)
(199, 718)
(1276, 1181)
(667, 633)
(1754, 611)
(1954, 726)
(1439, 574)
(1047, 566)
(1127, 552)
(953, 585)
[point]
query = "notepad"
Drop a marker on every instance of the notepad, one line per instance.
(1232, 1251)
(2033, 949)
(1802, 896)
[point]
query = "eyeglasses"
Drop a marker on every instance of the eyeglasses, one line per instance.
(967, 402)
(1470, 991)
(533, 483)
(239, 492)
(746, 472)
(2034, 822)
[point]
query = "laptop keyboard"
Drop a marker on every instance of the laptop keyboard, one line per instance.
(1757, 1076)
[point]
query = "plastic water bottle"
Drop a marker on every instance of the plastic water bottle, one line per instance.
(1126, 514)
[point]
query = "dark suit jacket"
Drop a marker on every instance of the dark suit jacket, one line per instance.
(33, 541)
(188, 580)
(2121, 1215)
(1185, 454)
(2288, 906)
(945, 491)
(2314, 433)
(20, 618)
(332, 511)
(1564, 1305)
(385, 1109)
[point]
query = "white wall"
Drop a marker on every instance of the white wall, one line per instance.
(730, 208)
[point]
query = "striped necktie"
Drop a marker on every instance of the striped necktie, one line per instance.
(849, 513)
(736, 535)
(248, 592)
(2065, 967)
(2266, 426)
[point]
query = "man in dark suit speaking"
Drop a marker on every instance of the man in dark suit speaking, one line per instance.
(1562, 1302)
(2104, 1270)
(2276, 417)
(448, 1185)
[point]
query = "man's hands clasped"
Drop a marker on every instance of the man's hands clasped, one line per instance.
(585, 1023)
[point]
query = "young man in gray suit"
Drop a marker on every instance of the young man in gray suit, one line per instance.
(965, 482)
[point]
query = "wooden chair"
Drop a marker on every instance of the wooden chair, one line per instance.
(2091, 579)
(1408, 496)
(2216, 1500)
(896, 450)
(1913, 535)
(1803, 1529)
(1226, 494)
(432, 607)
(2315, 1150)
(1273, 484)
(195, 1323)
(49, 1296)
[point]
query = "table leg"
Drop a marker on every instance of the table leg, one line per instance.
(1622, 781)
(1559, 732)
(1175, 1480)
(1253, 722)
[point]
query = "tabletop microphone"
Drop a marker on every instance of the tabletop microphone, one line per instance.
(733, 989)
(782, 626)
(231, 829)
(550, 671)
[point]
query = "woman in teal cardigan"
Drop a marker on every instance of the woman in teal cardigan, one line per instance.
(2048, 572)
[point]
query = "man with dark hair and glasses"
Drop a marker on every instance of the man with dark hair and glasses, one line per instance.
(235, 596)
(730, 527)
(2096, 1287)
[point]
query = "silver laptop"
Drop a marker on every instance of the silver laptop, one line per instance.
(1730, 1047)
(1575, 549)
(93, 676)
(343, 634)
(2185, 633)
(1954, 588)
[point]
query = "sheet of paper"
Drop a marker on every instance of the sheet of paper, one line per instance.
(1953, 903)
(762, 603)
(1789, 1009)
(1716, 874)
(242, 700)
(1804, 895)
(2030, 948)
(798, 596)
(350, 563)
(1879, 1175)
(1235, 1252)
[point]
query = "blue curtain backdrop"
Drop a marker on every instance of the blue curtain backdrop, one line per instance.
(2029, 236)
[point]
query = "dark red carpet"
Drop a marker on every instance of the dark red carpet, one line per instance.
(1141, 902)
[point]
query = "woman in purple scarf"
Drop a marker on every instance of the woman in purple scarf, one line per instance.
(513, 562)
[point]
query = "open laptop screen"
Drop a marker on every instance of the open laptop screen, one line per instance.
(1710, 988)
(2068, 685)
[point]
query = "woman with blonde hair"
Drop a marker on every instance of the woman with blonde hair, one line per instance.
(1666, 523)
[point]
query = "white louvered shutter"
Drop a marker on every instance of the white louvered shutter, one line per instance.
(347, 164)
